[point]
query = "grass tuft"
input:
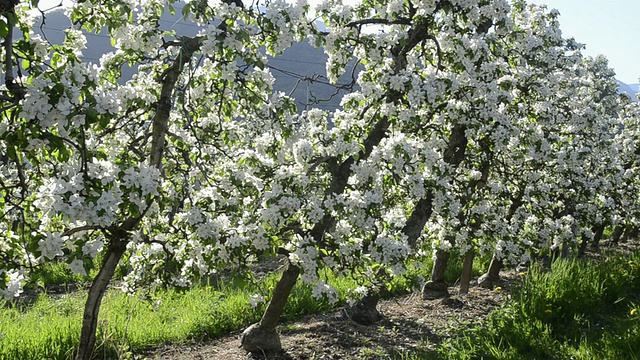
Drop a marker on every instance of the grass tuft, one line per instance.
(579, 309)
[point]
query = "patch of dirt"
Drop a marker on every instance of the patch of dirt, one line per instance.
(409, 324)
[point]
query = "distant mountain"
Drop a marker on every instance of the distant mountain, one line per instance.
(631, 90)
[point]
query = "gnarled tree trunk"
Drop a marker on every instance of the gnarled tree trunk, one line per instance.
(436, 288)
(617, 233)
(597, 236)
(453, 155)
(262, 336)
(115, 250)
(492, 276)
(597, 230)
(118, 235)
(467, 267)
(365, 311)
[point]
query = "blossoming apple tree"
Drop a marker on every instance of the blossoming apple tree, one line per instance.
(435, 115)
(515, 165)
(97, 165)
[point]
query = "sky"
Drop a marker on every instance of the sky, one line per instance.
(608, 27)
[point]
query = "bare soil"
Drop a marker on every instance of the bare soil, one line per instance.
(410, 324)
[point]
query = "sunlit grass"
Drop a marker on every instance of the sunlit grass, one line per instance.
(49, 326)
(576, 310)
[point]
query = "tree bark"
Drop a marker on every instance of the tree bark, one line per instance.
(564, 250)
(597, 230)
(418, 219)
(436, 288)
(453, 155)
(262, 336)
(340, 172)
(365, 311)
(118, 235)
(116, 249)
(630, 232)
(617, 233)
(467, 267)
(597, 236)
(582, 249)
(492, 276)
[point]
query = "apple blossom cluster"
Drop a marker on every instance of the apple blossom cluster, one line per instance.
(12, 281)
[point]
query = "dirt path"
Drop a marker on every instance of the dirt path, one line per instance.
(410, 324)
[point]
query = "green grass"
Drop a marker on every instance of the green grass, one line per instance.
(55, 273)
(578, 310)
(49, 327)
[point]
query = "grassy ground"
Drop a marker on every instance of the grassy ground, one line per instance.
(579, 309)
(576, 310)
(49, 325)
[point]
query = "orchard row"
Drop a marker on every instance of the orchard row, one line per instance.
(469, 126)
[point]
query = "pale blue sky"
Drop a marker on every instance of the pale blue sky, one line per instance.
(608, 27)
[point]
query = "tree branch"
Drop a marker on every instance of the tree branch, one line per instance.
(70, 232)
(379, 22)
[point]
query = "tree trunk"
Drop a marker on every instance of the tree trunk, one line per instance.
(583, 246)
(564, 250)
(467, 267)
(115, 250)
(436, 288)
(365, 311)
(492, 276)
(597, 230)
(630, 232)
(597, 236)
(262, 337)
(617, 233)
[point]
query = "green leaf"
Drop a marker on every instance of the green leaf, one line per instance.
(62, 154)
(104, 121)
(11, 151)
(56, 59)
(186, 9)
(259, 63)
(4, 29)
(54, 141)
(91, 116)
(55, 94)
